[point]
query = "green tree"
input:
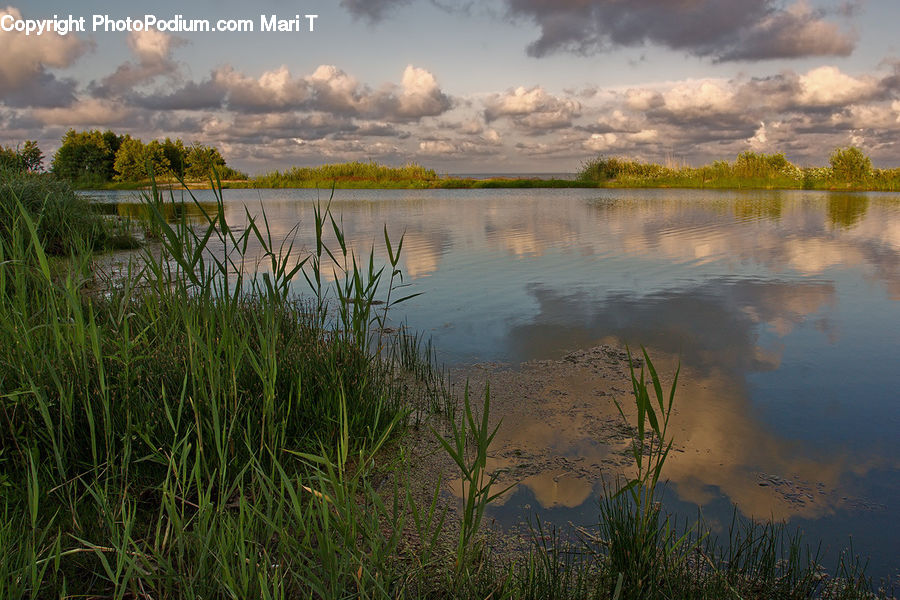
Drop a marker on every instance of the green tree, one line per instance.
(32, 157)
(86, 155)
(850, 164)
(10, 159)
(27, 159)
(176, 155)
(134, 158)
(201, 160)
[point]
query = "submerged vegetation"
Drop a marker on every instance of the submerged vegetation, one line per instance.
(197, 430)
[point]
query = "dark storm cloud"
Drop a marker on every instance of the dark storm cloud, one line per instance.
(720, 29)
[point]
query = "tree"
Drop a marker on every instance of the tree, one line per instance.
(850, 164)
(176, 155)
(134, 158)
(201, 160)
(86, 155)
(32, 157)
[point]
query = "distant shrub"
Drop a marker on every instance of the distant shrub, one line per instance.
(850, 164)
(604, 168)
(752, 164)
(369, 172)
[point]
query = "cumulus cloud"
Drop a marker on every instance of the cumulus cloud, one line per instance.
(327, 89)
(487, 144)
(532, 109)
(804, 114)
(420, 95)
(153, 50)
(720, 29)
(24, 76)
(740, 102)
(274, 90)
(87, 113)
(828, 86)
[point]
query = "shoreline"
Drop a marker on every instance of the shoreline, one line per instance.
(478, 184)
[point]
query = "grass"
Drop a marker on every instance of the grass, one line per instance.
(199, 431)
(65, 222)
(750, 170)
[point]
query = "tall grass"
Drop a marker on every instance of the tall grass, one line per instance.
(750, 170)
(64, 221)
(197, 432)
(348, 175)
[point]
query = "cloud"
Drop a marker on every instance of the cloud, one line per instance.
(371, 10)
(24, 78)
(265, 127)
(275, 90)
(795, 32)
(418, 95)
(421, 96)
(828, 86)
(87, 113)
(205, 95)
(725, 30)
(532, 109)
(455, 149)
(153, 50)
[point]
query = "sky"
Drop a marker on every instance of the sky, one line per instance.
(491, 86)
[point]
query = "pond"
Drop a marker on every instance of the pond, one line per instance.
(783, 308)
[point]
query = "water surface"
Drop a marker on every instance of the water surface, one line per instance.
(783, 306)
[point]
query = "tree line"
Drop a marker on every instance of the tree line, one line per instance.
(96, 157)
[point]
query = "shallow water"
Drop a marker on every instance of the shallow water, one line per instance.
(783, 306)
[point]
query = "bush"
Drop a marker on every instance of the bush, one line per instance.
(850, 164)
(751, 164)
(604, 168)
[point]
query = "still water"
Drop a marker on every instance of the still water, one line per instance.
(784, 307)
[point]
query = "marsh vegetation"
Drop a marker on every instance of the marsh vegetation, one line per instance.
(198, 430)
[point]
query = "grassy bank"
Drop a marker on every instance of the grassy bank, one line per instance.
(849, 170)
(64, 221)
(199, 431)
